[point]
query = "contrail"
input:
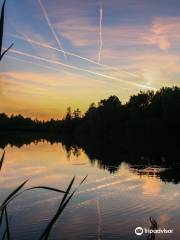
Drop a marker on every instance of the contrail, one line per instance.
(26, 38)
(51, 27)
(99, 219)
(81, 69)
(72, 54)
(40, 65)
(106, 185)
(33, 63)
(100, 31)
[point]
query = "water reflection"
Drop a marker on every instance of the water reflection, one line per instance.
(116, 198)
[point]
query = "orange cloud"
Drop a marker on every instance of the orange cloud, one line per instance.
(46, 95)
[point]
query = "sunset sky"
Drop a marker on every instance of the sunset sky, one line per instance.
(75, 52)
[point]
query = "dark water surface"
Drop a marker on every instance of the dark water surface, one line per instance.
(107, 206)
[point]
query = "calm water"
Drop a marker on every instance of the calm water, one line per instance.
(107, 206)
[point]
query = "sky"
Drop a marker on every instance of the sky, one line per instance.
(75, 52)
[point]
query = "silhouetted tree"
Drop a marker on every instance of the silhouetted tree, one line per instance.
(145, 114)
(68, 114)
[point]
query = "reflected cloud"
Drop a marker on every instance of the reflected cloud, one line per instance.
(151, 187)
(123, 193)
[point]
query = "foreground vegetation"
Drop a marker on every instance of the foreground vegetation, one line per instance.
(106, 121)
(5, 232)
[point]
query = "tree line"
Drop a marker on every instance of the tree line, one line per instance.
(144, 112)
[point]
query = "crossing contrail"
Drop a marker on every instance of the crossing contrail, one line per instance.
(81, 69)
(51, 27)
(40, 65)
(26, 38)
(73, 55)
(100, 31)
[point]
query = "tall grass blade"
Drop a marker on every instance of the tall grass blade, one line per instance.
(2, 159)
(47, 231)
(68, 190)
(2, 26)
(1, 217)
(154, 224)
(2, 31)
(83, 180)
(61, 208)
(7, 201)
(46, 188)
(4, 235)
(2, 55)
(12, 195)
(7, 224)
(3, 208)
(40, 187)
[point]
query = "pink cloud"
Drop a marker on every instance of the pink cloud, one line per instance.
(164, 33)
(80, 31)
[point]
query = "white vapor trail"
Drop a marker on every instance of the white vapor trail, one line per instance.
(73, 55)
(33, 63)
(39, 65)
(100, 32)
(51, 27)
(27, 39)
(99, 219)
(81, 69)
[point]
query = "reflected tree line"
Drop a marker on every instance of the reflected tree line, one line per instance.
(143, 131)
(147, 116)
(111, 161)
(107, 132)
(110, 131)
(107, 157)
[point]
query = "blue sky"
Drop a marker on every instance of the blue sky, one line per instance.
(55, 59)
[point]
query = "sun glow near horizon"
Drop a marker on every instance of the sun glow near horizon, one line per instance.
(138, 52)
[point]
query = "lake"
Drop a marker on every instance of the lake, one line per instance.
(110, 204)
